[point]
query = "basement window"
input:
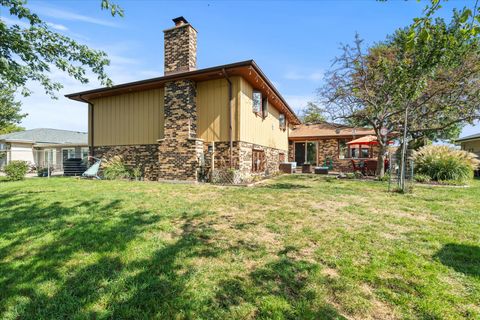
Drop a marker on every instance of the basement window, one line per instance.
(258, 160)
(257, 102)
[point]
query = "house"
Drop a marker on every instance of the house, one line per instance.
(175, 126)
(40, 147)
(470, 143)
(325, 144)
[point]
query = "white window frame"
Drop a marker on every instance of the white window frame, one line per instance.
(282, 122)
(68, 153)
(84, 152)
(46, 153)
(257, 102)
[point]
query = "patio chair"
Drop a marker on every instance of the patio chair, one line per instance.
(92, 172)
(360, 168)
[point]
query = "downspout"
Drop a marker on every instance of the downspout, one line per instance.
(90, 104)
(230, 114)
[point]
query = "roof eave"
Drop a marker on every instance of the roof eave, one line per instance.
(83, 95)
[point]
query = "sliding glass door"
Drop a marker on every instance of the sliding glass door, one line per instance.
(312, 153)
(306, 152)
(300, 153)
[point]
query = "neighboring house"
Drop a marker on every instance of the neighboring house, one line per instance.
(42, 146)
(170, 126)
(325, 143)
(470, 143)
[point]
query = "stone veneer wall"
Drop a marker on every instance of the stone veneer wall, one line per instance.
(242, 157)
(328, 148)
(180, 49)
(143, 156)
(180, 151)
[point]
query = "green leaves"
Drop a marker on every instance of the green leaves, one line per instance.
(114, 8)
(467, 13)
(30, 53)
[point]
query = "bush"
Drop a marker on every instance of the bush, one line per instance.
(442, 163)
(16, 170)
(422, 178)
(385, 178)
(350, 175)
(114, 169)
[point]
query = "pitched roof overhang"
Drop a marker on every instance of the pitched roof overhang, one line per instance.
(469, 138)
(247, 69)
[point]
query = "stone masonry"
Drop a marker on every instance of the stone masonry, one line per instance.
(242, 157)
(143, 156)
(180, 49)
(329, 148)
(180, 150)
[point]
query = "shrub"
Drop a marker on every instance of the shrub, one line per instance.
(385, 178)
(137, 173)
(350, 175)
(114, 168)
(443, 163)
(16, 170)
(422, 178)
(358, 175)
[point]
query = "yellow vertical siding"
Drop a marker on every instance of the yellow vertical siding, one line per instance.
(472, 146)
(213, 109)
(253, 128)
(128, 119)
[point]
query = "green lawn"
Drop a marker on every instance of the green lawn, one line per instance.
(298, 247)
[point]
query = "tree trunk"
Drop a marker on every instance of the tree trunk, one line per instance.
(381, 162)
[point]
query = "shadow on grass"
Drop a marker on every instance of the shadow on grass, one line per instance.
(280, 290)
(158, 284)
(462, 258)
(286, 185)
(42, 239)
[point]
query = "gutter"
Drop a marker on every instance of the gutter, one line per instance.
(90, 104)
(230, 113)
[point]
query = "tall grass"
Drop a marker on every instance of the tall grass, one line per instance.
(443, 163)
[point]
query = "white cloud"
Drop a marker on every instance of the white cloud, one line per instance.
(297, 103)
(297, 75)
(71, 16)
(59, 27)
(11, 22)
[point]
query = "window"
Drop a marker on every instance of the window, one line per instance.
(342, 149)
(50, 157)
(258, 160)
(365, 153)
(257, 101)
(282, 122)
(2, 146)
(85, 152)
(68, 153)
(353, 153)
(264, 108)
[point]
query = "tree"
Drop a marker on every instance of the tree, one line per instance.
(312, 113)
(11, 128)
(426, 87)
(469, 21)
(10, 112)
(28, 53)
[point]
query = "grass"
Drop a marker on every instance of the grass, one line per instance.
(298, 247)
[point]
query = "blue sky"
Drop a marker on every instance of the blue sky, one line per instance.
(293, 42)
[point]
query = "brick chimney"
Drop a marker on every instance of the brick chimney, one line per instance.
(180, 47)
(180, 150)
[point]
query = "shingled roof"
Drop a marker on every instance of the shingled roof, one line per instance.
(328, 130)
(47, 136)
(470, 137)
